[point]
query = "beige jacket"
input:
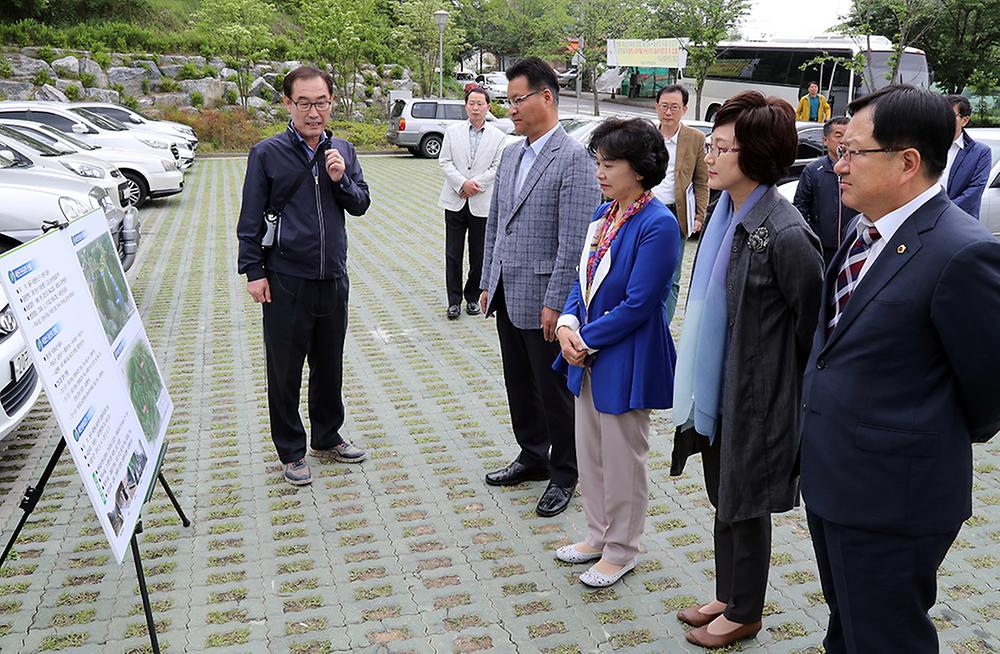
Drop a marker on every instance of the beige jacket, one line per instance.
(455, 164)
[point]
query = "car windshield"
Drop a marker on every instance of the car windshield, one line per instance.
(109, 124)
(63, 137)
(42, 148)
(6, 162)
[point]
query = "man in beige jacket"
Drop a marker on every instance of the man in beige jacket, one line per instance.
(470, 155)
(687, 176)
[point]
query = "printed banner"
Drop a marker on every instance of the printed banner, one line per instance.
(73, 304)
(655, 53)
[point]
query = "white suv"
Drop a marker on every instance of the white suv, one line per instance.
(419, 124)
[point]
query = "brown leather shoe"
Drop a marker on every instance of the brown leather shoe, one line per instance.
(700, 636)
(692, 616)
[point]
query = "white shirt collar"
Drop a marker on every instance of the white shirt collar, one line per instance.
(888, 224)
(478, 129)
(672, 139)
(540, 142)
(960, 141)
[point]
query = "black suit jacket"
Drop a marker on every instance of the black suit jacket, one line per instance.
(892, 400)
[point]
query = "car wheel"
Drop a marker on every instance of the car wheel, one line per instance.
(136, 190)
(430, 147)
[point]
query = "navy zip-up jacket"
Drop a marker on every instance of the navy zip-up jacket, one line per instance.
(311, 240)
(817, 198)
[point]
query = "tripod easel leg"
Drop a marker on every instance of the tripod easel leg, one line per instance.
(144, 592)
(31, 497)
(173, 500)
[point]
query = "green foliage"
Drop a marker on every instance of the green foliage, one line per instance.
(87, 80)
(47, 54)
(417, 34)
(42, 77)
(516, 28)
(71, 11)
(397, 72)
(5, 67)
(168, 85)
(119, 88)
(230, 96)
(498, 110)
(706, 22)
(145, 87)
(197, 99)
(189, 70)
(129, 101)
(72, 92)
(239, 30)
(102, 59)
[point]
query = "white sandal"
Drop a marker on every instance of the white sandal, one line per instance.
(595, 579)
(569, 554)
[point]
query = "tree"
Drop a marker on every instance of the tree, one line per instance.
(905, 22)
(345, 33)
(240, 32)
(598, 21)
(417, 33)
(706, 23)
(518, 28)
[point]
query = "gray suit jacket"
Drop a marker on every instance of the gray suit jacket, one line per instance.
(534, 240)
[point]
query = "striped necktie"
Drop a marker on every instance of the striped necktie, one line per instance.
(847, 279)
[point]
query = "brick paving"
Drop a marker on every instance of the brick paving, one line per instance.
(410, 551)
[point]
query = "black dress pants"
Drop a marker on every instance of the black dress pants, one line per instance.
(458, 224)
(541, 406)
(742, 552)
(879, 587)
(306, 318)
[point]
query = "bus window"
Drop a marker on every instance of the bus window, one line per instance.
(734, 64)
(912, 70)
(772, 67)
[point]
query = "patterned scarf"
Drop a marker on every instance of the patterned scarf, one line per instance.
(607, 232)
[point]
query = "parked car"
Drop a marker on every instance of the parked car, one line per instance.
(20, 384)
(418, 124)
(465, 76)
(567, 77)
(32, 196)
(178, 145)
(146, 176)
(131, 119)
(97, 172)
(495, 83)
(989, 212)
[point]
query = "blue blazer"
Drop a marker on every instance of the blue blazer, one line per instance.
(625, 321)
(969, 174)
(892, 400)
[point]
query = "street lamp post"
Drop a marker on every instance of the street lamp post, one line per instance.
(440, 17)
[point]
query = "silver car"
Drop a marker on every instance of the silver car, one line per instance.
(418, 124)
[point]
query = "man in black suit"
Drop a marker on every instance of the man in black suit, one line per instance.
(901, 380)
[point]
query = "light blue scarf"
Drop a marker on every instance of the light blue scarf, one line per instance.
(702, 353)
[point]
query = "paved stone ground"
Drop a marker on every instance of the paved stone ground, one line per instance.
(409, 551)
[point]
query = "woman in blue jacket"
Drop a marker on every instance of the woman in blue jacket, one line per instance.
(616, 349)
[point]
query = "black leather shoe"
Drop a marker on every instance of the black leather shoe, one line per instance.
(472, 308)
(554, 500)
(454, 311)
(515, 473)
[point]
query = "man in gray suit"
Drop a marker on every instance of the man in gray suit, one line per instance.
(543, 200)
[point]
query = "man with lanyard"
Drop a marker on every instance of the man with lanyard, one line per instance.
(301, 279)
(686, 169)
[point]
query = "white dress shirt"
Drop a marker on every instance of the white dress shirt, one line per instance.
(531, 152)
(959, 144)
(889, 224)
(664, 191)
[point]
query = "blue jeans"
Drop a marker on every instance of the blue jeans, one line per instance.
(670, 301)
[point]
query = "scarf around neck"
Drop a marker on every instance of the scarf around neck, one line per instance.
(608, 230)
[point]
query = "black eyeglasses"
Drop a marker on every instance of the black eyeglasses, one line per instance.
(321, 105)
(516, 102)
(848, 154)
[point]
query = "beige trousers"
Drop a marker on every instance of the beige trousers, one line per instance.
(611, 453)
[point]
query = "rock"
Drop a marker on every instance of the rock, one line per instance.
(211, 89)
(170, 70)
(22, 66)
(405, 84)
(130, 79)
(370, 67)
(291, 65)
(50, 93)
(102, 95)
(377, 93)
(226, 73)
(262, 89)
(91, 67)
(216, 63)
(12, 90)
(170, 99)
(272, 79)
(259, 104)
(358, 117)
(261, 69)
(171, 60)
(197, 60)
(152, 70)
(66, 66)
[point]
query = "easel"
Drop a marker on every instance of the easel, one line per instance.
(34, 493)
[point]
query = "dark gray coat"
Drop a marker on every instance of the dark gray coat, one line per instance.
(774, 285)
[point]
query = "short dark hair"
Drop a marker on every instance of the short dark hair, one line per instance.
(765, 130)
(539, 74)
(833, 122)
(962, 102)
(305, 72)
(673, 88)
(475, 88)
(904, 116)
(636, 141)
(811, 82)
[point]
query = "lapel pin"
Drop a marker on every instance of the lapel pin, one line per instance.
(901, 249)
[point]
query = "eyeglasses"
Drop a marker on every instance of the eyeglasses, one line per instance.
(321, 105)
(519, 100)
(847, 154)
(715, 150)
(669, 108)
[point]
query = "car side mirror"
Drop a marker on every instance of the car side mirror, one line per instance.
(7, 154)
(135, 120)
(79, 128)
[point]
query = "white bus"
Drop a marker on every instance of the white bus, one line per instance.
(773, 68)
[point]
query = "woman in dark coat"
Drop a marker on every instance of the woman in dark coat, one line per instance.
(750, 316)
